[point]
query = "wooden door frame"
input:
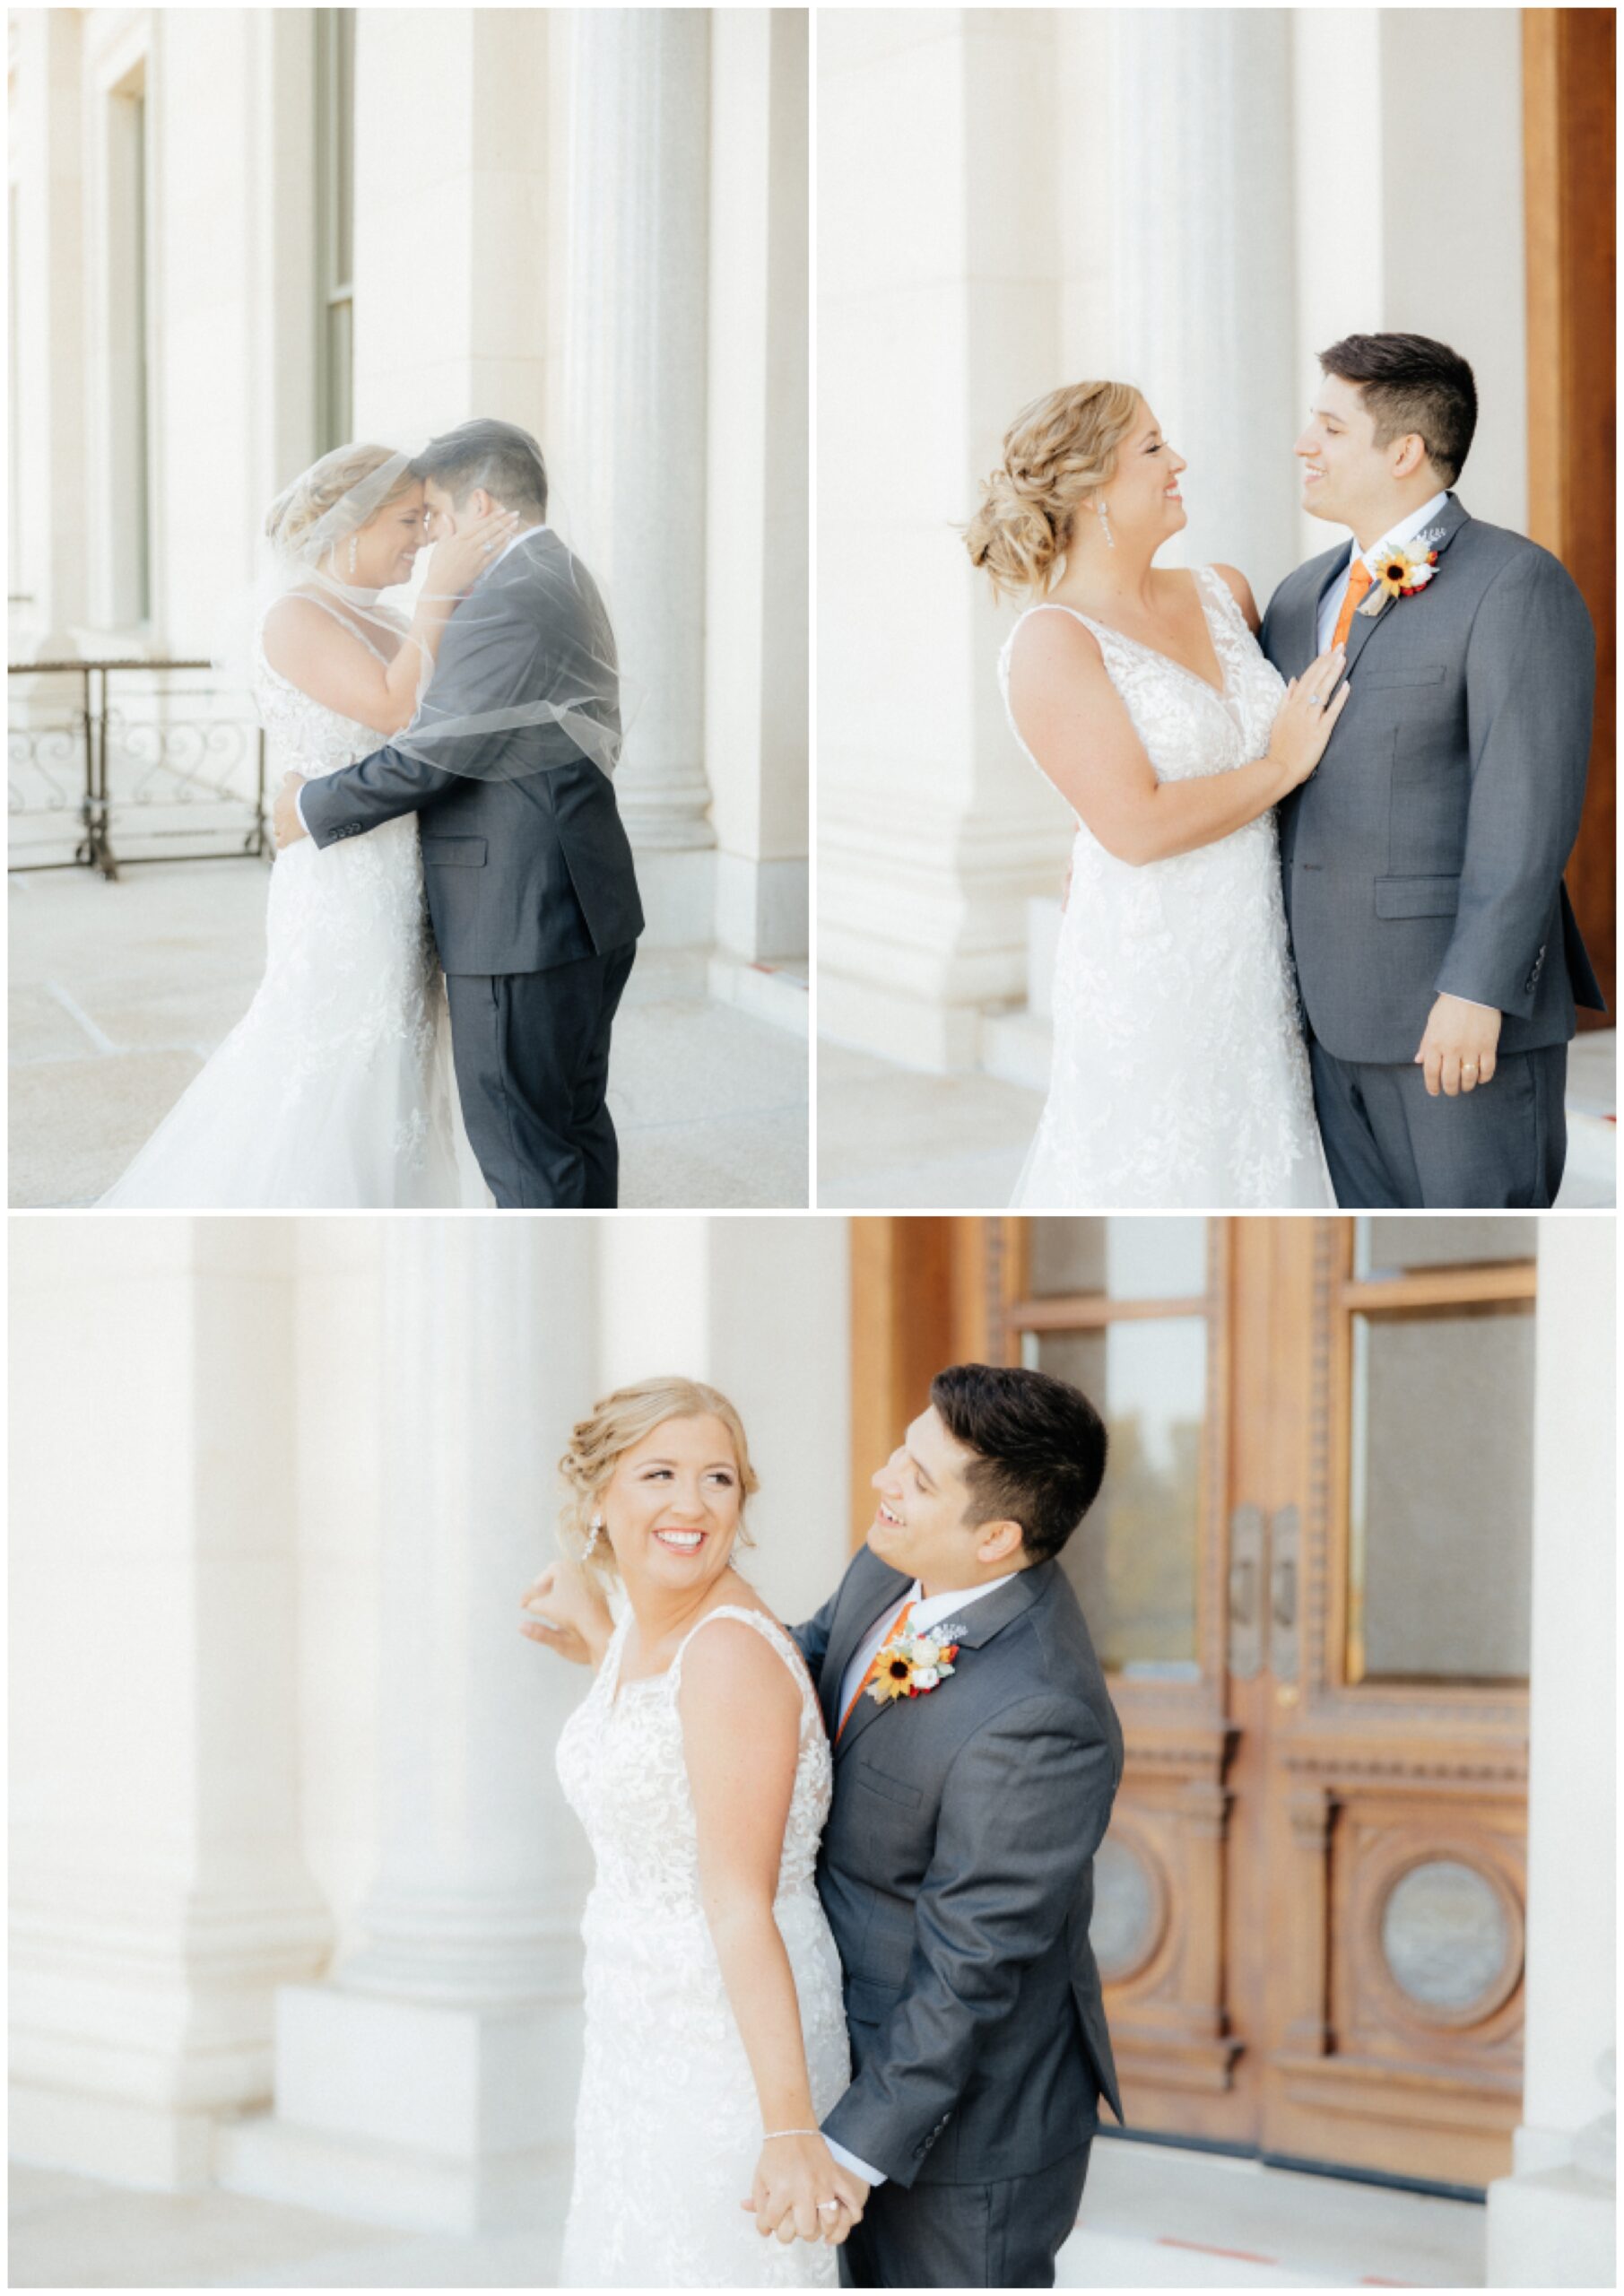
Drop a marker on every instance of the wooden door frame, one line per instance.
(1568, 180)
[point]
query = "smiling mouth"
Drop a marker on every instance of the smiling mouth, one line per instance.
(886, 1516)
(681, 1542)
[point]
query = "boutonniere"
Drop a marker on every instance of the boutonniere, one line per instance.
(1397, 574)
(911, 1663)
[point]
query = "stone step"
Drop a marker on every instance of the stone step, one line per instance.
(1156, 2216)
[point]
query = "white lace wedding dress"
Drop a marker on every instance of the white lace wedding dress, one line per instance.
(1180, 1075)
(335, 1089)
(667, 2131)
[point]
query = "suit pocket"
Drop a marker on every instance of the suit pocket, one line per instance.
(895, 1789)
(1416, 896)
(454, 852)
(869, 2005)
(1422, 675)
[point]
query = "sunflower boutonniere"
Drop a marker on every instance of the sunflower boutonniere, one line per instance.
(1400, 573)
(911, 1663)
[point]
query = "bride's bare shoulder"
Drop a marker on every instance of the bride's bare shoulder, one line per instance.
(299, 628)
(1240, 590)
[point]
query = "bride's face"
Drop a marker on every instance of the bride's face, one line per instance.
(670, 1508)
(386, 546)
(1142, 497)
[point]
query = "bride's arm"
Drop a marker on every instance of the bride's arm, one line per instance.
(315, 648)
(1075, 724)
(739, 1710)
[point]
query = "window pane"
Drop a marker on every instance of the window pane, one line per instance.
(1118, 1259)
(1393, 1247)
(1442, 1495)
(1132, 1560)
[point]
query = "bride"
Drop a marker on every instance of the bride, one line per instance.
(699, 1764)
(335, 1090)
(1180, 1075)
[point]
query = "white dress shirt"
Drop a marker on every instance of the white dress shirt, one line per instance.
(928, 1610)
(539, 528)
(1331, 604)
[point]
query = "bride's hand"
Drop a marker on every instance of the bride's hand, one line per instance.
(458, 560)
(796, 2177)
(1306, 716)
(563, 1609)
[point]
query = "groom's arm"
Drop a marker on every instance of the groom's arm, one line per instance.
(1529, 688)
(485, 664)
(1025, 1808)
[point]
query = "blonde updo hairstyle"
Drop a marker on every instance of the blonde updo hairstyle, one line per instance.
(1057, 453)
(291, 520)
(600, 1440)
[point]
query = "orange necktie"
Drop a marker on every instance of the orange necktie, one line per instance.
(1358, 582)
(894, 1629)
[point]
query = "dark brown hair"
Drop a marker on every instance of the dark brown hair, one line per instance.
(1040, 1445)
(499, 456)
(1409, 383)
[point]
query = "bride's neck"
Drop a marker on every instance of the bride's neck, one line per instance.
(660, 1614)
(1101, 575)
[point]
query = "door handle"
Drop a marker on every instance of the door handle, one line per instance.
(1247, 1536)
(1285, 1540)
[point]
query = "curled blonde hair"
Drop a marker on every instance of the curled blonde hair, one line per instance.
(598, 1442)
(299, 509)
(1057, 453)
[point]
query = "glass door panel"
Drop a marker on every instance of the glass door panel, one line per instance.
(1441, 1495)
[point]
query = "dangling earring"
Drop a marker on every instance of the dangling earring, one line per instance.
(1105, 520)
(593, 1536)
(353, 557)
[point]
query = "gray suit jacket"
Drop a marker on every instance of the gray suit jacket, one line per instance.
(1425, 852)
(958, 1875)
(526, 858)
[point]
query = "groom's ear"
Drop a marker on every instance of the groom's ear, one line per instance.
(1000, 1543)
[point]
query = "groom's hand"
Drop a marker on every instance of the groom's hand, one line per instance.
(1457, 1050)
(288, 828)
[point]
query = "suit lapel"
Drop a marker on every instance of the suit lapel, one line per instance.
(1450, 519)
(981, 1621)
(880, 1589)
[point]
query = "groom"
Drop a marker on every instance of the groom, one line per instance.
(529, 874)
(957, 1868)
(1437, 952)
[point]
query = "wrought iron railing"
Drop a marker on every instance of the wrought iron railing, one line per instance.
(114, 762)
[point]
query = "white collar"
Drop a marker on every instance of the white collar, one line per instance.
(1396, 536)
(524, 536)
(928, 1609)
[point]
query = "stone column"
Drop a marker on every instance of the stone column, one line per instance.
(755, 635)
(632, 455)
(1551, 2222)
(430, 2083)
(937, 319)
(159, 1893)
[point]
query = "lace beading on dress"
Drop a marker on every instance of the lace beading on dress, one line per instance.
(1179, 1072)
(668, 2128)
(334, 1090)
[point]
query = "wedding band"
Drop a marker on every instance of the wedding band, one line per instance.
(829, 2208)
(1314, 702)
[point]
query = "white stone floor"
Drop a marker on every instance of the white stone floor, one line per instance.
(1152, 2217)
(119, 992)
(892, 1140)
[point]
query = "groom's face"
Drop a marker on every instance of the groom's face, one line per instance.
(1346, 476)
(923, 1525)
(446, 515)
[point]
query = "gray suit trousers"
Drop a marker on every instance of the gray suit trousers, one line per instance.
(1390, 1145)
(1004, 2235)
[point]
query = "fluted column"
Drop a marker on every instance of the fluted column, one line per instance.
(632, 468)
(160, 1892)
(430, 2082)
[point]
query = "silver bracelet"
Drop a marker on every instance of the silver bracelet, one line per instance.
(790, 2132)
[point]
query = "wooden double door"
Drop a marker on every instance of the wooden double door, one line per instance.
(1308, 1577)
